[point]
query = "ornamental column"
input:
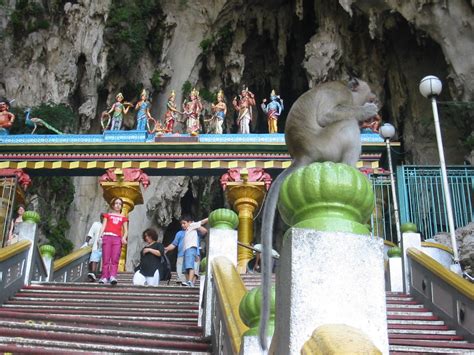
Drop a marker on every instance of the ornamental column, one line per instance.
(124, 184)
(245, 190)
(12, 192)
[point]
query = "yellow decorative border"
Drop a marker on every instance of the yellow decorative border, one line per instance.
(68, 259)
(453, 279)
(437, 246)
(185, 164)
(14, 249)
(231, 290)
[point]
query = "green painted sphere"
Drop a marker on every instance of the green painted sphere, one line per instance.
(408, 227)
(203, 265)
(223, 218)
(31, 217)
(250, 307)
(328, 196)
(47, 250)
(394, 252)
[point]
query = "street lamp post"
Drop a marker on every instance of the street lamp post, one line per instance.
(387, 131)
(430, 87)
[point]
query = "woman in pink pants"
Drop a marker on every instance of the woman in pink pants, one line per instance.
(114, 233)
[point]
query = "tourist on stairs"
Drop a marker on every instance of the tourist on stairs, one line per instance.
(93, 238)
(114, 233)
(151, 267)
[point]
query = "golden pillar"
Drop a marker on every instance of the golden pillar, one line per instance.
(131, 195)
(245, 198)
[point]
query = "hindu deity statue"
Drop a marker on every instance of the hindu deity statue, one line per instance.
(273, 110)
(243, 105)
(219, 110)
(172, 112)
(191, 110)
(371, 125)
(119, 108)
(143, 114)
(6, 118)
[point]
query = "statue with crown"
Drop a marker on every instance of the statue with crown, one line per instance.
(191, 111)
(273, 111)
(219, 111)
(243, 105)
(172, 112)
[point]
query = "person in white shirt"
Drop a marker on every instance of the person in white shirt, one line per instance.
(93, 238)
(190, 246)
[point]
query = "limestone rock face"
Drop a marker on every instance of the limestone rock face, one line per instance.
(465, 240)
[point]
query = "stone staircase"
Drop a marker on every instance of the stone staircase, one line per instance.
(88, 317)
(412, 329)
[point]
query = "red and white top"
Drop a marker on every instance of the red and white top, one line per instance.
(114, 224)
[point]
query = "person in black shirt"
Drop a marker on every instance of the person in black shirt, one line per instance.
(150, 267)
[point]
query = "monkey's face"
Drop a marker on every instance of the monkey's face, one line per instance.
(362, 94)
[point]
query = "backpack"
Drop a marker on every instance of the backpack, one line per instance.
(166, 267)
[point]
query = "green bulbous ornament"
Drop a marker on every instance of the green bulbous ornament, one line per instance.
(223, 218)
(47, 250)
(329, 197)
(250, 307)
(31, 217)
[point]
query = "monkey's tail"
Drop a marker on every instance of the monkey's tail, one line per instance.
(266, 234)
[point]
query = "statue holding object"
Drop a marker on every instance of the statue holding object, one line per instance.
(273, 111)
(243, 104)
(119, 108)
(34, 122)
(219, 111)
(143, 114)
(192, 110)
(6, 118)
(371, 125)
(172, 112)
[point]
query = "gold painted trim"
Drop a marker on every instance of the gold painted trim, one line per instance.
(68, 259)
(453, 279)
(390, 244)
(338, 339)
(437, 246)
(14, 249)
(231, 290)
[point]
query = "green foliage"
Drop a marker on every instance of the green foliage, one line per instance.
(207, 95)
(156, 81)
(128, 33)
(206, 44)
(219, 43)
(27, 17)
(54, 195)
(186, 88)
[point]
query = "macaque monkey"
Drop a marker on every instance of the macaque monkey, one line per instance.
(322, 125)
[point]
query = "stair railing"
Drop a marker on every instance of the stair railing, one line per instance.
(72, 267)
(443, 291)
(21, 262)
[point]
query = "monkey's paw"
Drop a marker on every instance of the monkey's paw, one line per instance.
(370, 110)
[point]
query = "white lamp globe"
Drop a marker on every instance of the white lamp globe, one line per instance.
(430, 86)
(387, 131)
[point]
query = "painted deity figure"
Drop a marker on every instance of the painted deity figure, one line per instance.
(243, 104)
(219, 111)
(191, 110)
(6, 118)
(371, 125)
(172, 112)
(273, 111)
(119, 108)
(143, 114)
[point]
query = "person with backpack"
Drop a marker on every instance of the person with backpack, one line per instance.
(152, 261)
